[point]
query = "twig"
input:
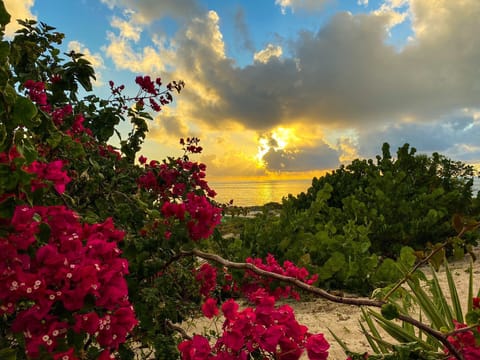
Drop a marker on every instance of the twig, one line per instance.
(443, 338)
(412, 271)
(325, 295)
(178, 329)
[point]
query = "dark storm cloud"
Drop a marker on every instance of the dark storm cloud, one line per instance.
(320, 157)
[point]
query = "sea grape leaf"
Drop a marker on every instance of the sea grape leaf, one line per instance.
(407, 258)
(438, 258)
(457, 222)
(333, 265)
(389, 311)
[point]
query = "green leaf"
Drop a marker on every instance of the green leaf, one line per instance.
(407, 257)
(441, 301)
(340, 342)
(27, 150)
(8, 354)
(54, 139)
(438, 259)
(470, 287)
(389, 311)
(397, 332)
(4, 15)
(4, 51)
(3, 136)
(472, 317)
(332, 266)
(24, 111)
(427, 305)
(10, 95)
(454, 294)
(44, 233)
(372, 341)
(4, 76)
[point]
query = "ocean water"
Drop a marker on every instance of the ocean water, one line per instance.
(257, 192)
(260, 192)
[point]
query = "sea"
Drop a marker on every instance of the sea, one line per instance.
(246, 193)
(257, 192)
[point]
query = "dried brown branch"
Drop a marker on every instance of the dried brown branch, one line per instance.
(178, 329)
(324, 294)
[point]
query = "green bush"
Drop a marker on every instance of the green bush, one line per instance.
(410, 200)
(352, 220)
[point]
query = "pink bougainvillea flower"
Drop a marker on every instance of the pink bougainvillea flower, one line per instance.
(317, 347)
(476, 302)
(207, 277)
(209, 308)
(196, 349)
(230, 309)
(142, 159)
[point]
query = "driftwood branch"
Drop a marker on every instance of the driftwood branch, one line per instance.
(324, 294)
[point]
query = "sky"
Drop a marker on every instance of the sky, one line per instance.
(288, 88)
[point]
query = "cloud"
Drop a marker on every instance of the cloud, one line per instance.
(455, 135)
(18, 9)
(145, 12)
(128, 30)
(393, 10)
(321, 157)
(295, 5)
(242, 33)
(271, 51)
(344, 77)
(138, 60)
(167, 125)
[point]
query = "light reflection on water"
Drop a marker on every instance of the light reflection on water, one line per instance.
(257, 192)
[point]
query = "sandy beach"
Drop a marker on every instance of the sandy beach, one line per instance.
(320, 315)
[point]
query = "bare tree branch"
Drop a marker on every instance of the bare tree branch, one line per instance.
(324, 294)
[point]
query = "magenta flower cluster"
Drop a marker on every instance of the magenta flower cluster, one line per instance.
(267, 330)
(74, 266)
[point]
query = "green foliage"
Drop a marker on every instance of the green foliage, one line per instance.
(324, 239)
(351, 222)
(410, 200)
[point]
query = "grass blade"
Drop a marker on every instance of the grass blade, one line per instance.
(398, 333)
(427, 306)
(373, 329)
(440, 299)
(470, 287)
(454, 294)
(372, 341)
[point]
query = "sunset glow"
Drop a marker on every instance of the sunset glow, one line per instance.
(281, 89)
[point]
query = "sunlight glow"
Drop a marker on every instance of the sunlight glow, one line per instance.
(278, 139)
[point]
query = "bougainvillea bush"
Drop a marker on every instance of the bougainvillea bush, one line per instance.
(96, 239)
